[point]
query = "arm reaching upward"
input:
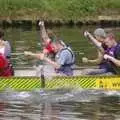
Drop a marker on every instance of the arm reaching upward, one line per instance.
(94, 41)
(43, 32)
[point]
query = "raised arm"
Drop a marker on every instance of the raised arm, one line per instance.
(43, 32)
(94, 41)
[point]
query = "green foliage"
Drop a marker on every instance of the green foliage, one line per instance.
(57, 9)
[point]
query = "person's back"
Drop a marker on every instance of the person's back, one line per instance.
(66, 58)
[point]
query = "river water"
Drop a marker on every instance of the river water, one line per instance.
(57, 104)
(60, 105)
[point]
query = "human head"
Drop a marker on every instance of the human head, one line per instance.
(100, 34)
(110, 40)
(1, 33)
(58, 45)
(50, 33)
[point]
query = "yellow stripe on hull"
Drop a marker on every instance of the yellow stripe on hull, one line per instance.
(85, 82)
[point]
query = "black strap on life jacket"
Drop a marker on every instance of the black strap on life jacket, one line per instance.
(72, 54)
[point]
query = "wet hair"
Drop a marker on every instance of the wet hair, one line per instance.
(1, 33)
(51, 35)
(50, 32)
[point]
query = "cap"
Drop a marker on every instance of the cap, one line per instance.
(100, 32)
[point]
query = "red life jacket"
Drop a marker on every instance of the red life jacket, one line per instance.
(49, 48)
(5, 67)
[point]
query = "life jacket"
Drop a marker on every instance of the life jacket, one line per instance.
(67, 67)
(72, 54)
(5, 67)
(49, 48)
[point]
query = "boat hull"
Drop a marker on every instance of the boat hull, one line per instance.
(78, 82)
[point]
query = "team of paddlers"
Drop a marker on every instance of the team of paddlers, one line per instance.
(61, 56)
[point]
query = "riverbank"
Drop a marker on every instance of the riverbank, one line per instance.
(101, 20)
(60, 11)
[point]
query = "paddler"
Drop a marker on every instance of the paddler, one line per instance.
(64, 58)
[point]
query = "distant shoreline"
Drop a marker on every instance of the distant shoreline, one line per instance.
(60, 12)
(101, 20)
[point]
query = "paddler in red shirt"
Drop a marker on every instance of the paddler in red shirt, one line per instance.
(47, 38)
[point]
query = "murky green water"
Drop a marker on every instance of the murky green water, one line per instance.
(60, 105)
(57, 104)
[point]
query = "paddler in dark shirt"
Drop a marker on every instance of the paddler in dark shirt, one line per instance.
(98, 41)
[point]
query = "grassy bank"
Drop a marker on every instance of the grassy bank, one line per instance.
(57, 10)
